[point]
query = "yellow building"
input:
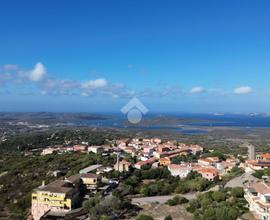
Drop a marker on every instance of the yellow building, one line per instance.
(90, 180)
(165, 161)
(58, 196)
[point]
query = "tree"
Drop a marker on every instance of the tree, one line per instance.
(209, 214)
(218, 196)
(145, 217)
(193, 205)
(168, 217)
(237, 192)
(177, 200)
(225, 212)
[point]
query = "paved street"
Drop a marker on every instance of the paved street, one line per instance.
(238, 181)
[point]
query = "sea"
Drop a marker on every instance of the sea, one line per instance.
(191, 123)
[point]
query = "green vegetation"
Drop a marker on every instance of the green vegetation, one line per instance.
(41, 140)
(109, 207)
(235, 172)
(193, 182)
(168, 218)
(260, 173)
(226, 204)
(215, 153)
(144, 217)
(177, 200)
(21, 174)
(183, 158)
(134, 181)
(158, 181)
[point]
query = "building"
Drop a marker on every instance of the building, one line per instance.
(95, 149)
(58, 196)
(80, 148)
(258, 198)
(48, 150)
(209, 173)
(195, 149)
(90, 180)
(90, 168)
(141, 164)
(148, 151)
(208, 161)
(165, 161)
(162, 149)
(264, 156)
(181, 170)
(131, 150)
(122, 166)
(252, 165)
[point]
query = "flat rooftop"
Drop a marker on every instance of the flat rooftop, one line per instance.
(90, 168)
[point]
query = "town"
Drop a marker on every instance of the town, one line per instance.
(65, 198)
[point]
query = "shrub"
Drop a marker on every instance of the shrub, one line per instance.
(177, 200)
(237, 192)
(168, 218)
(145, 217)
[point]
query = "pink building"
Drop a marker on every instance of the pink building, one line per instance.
(209, 173)
(80, 148)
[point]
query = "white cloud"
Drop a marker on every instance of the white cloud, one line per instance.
(38, 72)
(94, 84)
(197, 89)
(243, 90)
(10, 67)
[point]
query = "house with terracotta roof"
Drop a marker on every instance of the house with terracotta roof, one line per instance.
(209, 173)
(251, 165)
(208, 161)
(264, 156)
(139, 165)
(195, 148)
(258, 198)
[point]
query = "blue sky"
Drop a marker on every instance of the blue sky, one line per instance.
(197, 56)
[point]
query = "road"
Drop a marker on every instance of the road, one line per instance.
(239, 181)
(163, 199)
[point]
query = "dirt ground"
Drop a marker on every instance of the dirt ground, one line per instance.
(160, 211)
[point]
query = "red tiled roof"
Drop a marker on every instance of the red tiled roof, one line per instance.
(266, 155)
(261, 188)
(208, 170)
